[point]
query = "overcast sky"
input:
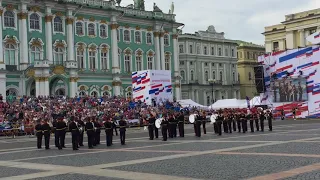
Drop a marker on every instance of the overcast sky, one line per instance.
(239, 19)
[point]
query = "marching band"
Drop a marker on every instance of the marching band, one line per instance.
(227, 120)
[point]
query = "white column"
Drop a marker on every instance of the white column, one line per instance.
(202, 73)
(3, 82)
(70, 35)
(197, 96)
(24, 60)
(290, 40)
(38, 86)
(73, 86)
(268, 46)
(224, 74)
(157, 48)
(210, 69)
(302, 38)
(205, 98)
(176, 67)
(188, 76)
(48, 20)
(162, 51)
(115, 62)
(46, 87)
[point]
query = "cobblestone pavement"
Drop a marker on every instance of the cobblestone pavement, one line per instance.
(291, 151)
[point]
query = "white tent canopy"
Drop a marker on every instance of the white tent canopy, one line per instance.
(189, 103)
(229, 103)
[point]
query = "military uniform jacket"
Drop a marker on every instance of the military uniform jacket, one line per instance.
(181, 119)
(151, 121)
(108, 126)
(171, 120)
(164, 124)
(61, 126)
(89, 127)
(46, 129)
(123, 125)
(97, 126)
(38, 129)
(74, 128)
(220, 118)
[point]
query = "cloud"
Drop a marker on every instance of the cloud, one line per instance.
(244, 20)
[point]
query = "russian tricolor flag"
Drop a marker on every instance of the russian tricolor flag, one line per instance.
(317, 35)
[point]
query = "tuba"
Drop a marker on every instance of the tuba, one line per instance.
(213, 118)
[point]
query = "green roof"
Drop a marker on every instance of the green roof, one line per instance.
(248, 44)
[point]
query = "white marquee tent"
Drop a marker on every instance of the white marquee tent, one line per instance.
(229, 103)
(189, 103)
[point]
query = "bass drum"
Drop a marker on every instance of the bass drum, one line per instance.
(158, 123)
(213, 118)
(192, 118)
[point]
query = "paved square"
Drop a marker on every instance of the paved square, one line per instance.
(290, 151)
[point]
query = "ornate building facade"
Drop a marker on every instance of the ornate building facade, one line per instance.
(247, 59)
(66, 47)
(208, 66)
(292, 32)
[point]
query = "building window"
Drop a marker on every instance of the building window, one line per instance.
(220, 65)
(198, 49)
(205, 50)
(221, 76)
(232, 52)
(212, 64)
(82, 94)
(191, 63)
(206, 76)
(213, 75)
(103, 31)
(167, 62)
(233, 65)
(166, 40)
(127, 63)
(9, 19)
(150, 62)
(126, 35)
(212, 50)
(250, 76)
(137, 36)
(57, 24)
(275, 46)
(219, 51)
(312, 31)
(205, 64)
(181, 62)
(119, 58)
(180, 48)
(240, 54)
(80, 58)
(190, 49)
(208, 100)
(226, 52)
(191, 75)
(35, 53)
(182, 75)
(58, 56)
(238, 77)
(138, 63)
(79, 29)
(233, 76)
(104, 60)
(149, 38)
(10, 54)
(92, 59)
(118, 35)
(34, 21)
(91, 29)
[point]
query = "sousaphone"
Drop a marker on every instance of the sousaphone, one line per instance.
(213, 118)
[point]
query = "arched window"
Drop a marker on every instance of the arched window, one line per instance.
(57, 24)
(118, 35)
(233, 76)
(106, 93)
(104, 60)
(206, 76)
(79, 28)
(167, 62)
(232, 52)
(208, 100)
(119, 58)
(127, 63)
(250, 76)
(9, 20)
(238, 77)
(82, 94)
(205, 51)
(128, 94)
(149, 38)
(219, 51)
(94, 94)
(213, 75)
(137, 36)
(191, 76)
(198, 49)
(58, 56)
(221, 77)
(34, 21)
(226, 52)
(138, 62)
(126, 35)
(150, 62)
(91, 29)
(10, 54)
(35, 53)
(166, 40)
(103, 31)
(92, 59)
(182, 75)
(80, 58)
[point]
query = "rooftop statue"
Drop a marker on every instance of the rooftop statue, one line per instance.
(211, 29)
(118, 2)
(156, 8)
(172, 8)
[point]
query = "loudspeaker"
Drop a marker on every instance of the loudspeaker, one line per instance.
(259, 79)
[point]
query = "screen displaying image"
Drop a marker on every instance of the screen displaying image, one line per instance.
(289, 90)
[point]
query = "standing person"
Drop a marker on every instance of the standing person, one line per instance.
(229, 121)
(204, 121)
(164, 128)
(251, 121)
(90, 133)
(151, 122)
(282, 114)
(114, 127)
(74, 133)
(234, 122)
(198, 124)
(81, 126)
(181, 124)
(238, 119)
(63, 134)
(122, 129)
(94, 131)
(219, 123)
(174, 126)
(262, 117)
(39, 134)
(108, 129)
(244, 122)
(46, 133)
(60, 127)
(97, 126)
(171, 125)
(256, 120)
(156, 130)
(269, 118)
(56, 133)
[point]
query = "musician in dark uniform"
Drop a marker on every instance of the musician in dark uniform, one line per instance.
(204, 121)
(39, 134)
(171, 125)
(234, 122)
(251, 121)
(244, 122)
(114, 127)
(262, 117)
(238, 119)
(269, 118)
(94, 142)
(156, 130)
(151, 122)
(97, 126)
(56, 134)
(164, 128)
(74, 133)
(108, 129)
(199, 120)
(174, 126)
(256, 119)
(89, 127)
(60, 130)
(82, 126)
(229, 121)
(219, 123)
(46, 133)
(123, 125)
(181, 124)
(64, 134)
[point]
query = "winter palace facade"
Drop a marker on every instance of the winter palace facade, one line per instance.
(83, 47)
